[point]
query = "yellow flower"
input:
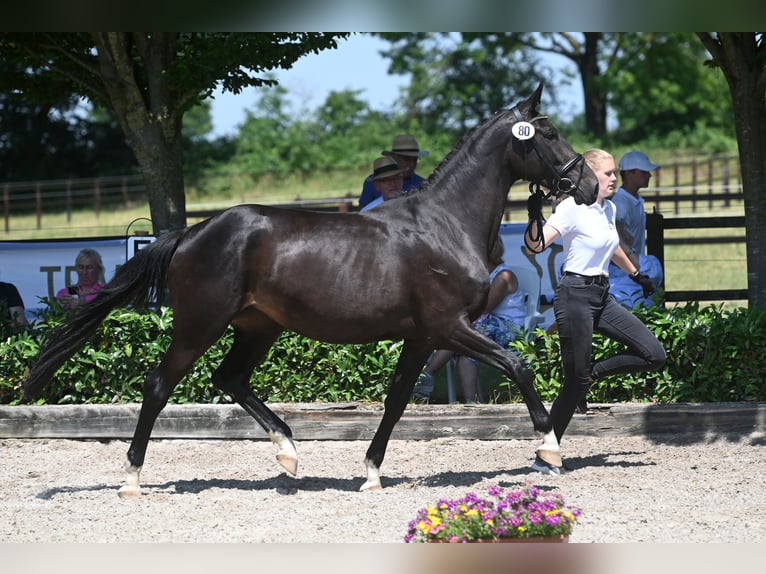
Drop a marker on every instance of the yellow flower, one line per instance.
(521, 528)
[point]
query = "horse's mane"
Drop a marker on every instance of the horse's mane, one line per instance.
(459, 148)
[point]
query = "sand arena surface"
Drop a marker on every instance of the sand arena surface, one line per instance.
(630, 489)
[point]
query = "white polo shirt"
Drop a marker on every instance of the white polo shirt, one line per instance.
(589, 235)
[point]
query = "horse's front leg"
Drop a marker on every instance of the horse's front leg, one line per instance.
(411, 360)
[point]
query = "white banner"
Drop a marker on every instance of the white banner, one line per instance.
(40, 268)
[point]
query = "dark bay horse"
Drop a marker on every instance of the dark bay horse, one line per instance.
(413, 269)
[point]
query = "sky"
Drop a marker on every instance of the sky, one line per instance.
(354, 65)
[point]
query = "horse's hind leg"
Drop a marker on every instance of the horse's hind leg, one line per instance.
(411, 360)
(158, 386)
(233, 378)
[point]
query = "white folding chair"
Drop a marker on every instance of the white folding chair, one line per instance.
(529, 282)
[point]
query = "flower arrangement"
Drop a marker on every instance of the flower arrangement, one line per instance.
(525, 513)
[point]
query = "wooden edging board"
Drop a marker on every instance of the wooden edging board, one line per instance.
(358, 421)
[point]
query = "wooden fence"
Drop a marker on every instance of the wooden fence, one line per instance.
(680, 189)
(69, 194)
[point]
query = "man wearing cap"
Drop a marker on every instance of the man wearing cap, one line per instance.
(406, 152)
(635, 171)
(387, 177)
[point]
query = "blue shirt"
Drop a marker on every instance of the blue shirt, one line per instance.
(631, 215)
(369, 192)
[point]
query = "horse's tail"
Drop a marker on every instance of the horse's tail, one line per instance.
(142, 278)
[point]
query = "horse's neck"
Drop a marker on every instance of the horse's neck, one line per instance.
(474, 184)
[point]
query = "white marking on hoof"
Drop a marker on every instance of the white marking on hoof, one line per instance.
(131, 490)
(129, 493)
(287, 456)
(549, 450)
(373, 477)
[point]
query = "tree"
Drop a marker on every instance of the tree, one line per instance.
(459, 79)
(148, 80)
(741, 56)
(661, 86)
(53, 140)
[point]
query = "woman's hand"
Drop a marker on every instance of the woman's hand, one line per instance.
(69, 301)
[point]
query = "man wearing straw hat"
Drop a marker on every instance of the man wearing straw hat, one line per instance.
(387, 179)
(406, 152)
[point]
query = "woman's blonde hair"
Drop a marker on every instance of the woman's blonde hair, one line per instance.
(594, 156)
(96, 256)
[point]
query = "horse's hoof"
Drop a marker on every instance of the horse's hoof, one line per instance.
(288, 462)
(373, 477)
(550, 456)
(129, 492)
(371, 485)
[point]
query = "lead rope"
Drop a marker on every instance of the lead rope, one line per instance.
(538, 222)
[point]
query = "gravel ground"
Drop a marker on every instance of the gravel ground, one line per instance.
(630, 489)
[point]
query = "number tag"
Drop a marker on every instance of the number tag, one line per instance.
(523, 130)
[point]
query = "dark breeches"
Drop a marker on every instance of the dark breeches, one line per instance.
(582, 307)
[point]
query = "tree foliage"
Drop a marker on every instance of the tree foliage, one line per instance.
(663, 87)
(459, 79)
(148, 80)
(48, 140)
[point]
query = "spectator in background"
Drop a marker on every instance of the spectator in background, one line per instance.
(10, 297)
(635, 173)
(387, 179)
(406, 152)
(90, 278)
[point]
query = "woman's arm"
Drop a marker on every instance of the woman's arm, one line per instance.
(621, 259)
(538, 244)
(504, 283)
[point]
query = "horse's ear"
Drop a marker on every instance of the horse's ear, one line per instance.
(534, 99)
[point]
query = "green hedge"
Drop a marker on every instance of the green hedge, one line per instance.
(714, 355)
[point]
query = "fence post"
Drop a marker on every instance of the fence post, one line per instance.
(694, 185)
(7, 208)
(68, 201)
(710, 183)
(97, 197)
(38, 206)
(655, 239)
(725, 180)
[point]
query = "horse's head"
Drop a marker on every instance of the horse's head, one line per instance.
(539, 154)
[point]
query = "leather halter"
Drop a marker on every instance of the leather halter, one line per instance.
(560, 183)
